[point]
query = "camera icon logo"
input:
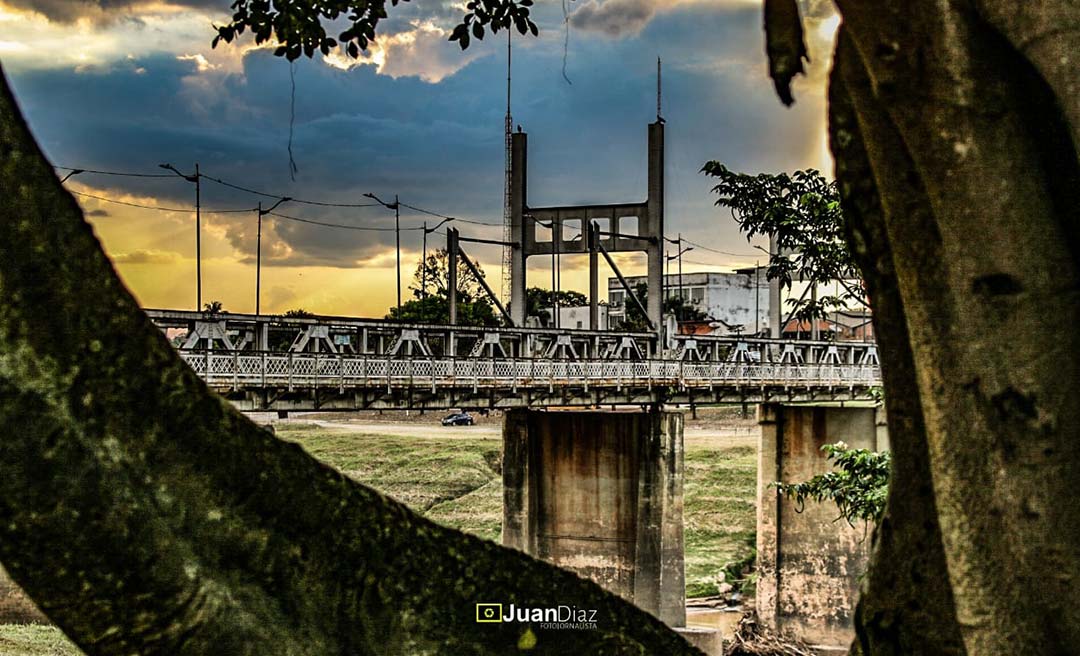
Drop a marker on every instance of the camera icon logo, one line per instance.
(488, 613)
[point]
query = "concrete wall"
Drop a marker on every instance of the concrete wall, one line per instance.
(600, 493)
(808, 563)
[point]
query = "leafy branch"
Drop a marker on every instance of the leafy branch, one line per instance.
(801, 213)
(858, 485)
(299, 27)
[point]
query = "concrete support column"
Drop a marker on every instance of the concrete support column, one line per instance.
(594, 276)
(600, 494)
(808, 564)
(519, 145)
(655, 250)
(452, 268)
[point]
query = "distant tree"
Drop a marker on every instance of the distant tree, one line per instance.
(213, 308)
(538, 301)
(435, 309)
(437, 270)
(299, 313)
(802, 211)
(473, 306)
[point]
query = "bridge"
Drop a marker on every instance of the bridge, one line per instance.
(595, 491)
(340, 363)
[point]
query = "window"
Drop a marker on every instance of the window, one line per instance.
(616, 298)
(697, 295)
(628, 225)
(571, 229)
(543, 232)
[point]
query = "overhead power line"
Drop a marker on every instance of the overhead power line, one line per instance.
(335, 225)
(158, 207)
(719, 252)
(116, 173)
(278, 197)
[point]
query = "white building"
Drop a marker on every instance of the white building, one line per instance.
(736, 299)
(577, 317)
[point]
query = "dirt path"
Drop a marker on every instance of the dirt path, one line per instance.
(724, 438)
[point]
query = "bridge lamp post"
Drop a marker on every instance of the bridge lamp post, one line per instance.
(258, 250)
(198, 227)
(397, 233)
(423, 262)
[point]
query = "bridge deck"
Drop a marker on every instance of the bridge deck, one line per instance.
(317, 366)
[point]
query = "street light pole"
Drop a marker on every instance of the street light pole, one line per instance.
(423, 262)
(397, 232)
(258, 260)
(198, 226)
(258, 251)
(397, 235)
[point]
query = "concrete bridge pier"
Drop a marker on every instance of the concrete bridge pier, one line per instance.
(808, 563)
(600, 493)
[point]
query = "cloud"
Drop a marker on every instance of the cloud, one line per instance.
(614, 18)
(97, 213)
(425, 122)
(144, 256)
(102, 11)
(617, 18)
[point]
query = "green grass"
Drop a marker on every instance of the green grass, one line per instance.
(719, 514)
(455, 480)
(34, 640)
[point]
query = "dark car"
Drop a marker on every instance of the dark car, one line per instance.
(458, 419)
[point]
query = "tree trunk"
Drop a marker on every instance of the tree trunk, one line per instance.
(955, 126)
(145, 515)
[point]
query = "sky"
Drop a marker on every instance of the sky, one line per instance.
(126, 85)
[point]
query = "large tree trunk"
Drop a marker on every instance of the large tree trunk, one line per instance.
(145, 515)
(955, 125)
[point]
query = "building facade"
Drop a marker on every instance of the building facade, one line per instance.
(736, 300)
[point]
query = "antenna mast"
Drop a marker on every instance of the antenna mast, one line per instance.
(659, 117)
(508, 250)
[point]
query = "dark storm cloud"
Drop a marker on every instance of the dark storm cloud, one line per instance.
(438, 146)
(613, 17)
(68, 11)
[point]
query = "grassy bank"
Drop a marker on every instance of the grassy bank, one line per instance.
(453, 477)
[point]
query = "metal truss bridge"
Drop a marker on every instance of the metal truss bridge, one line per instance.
(331, 363)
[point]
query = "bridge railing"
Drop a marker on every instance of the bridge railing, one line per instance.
(250, 335)
(239, 369)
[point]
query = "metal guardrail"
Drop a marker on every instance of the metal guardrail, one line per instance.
(238, 369)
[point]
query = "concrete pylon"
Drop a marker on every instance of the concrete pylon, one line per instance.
(600, 493)
(647, 216)
(808, 563)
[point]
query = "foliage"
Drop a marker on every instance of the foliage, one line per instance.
(300, 27)
(679, 306)
(859, 484)
(538, 301)
(435, 309)
(214, 308)
(299, 313)
(802, 212)
(473, 307)
(437, 268)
